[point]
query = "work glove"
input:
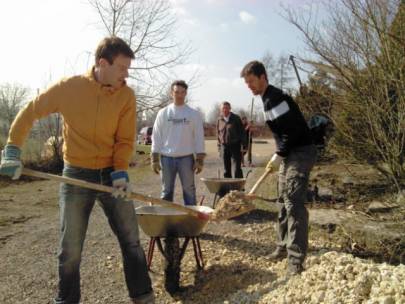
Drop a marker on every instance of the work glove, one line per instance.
(121, 185)
(10, 164)
(155, 162)
(199, 163)
(274, 162)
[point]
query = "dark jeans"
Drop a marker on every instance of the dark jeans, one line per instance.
(293, 178)
(231, 153)
(76, 204)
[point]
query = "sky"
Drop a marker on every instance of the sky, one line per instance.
(44, 40)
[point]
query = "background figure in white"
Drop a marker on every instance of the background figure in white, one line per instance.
(178, 145)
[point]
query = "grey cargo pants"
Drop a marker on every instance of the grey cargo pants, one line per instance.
(292, 194)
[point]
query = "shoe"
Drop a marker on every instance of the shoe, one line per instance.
(278, 254)
(148, 298)
(294, 269)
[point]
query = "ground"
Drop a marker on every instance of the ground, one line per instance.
(236, 270)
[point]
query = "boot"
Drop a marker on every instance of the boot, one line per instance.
(148, 298)
(294, 269)
(279, 254)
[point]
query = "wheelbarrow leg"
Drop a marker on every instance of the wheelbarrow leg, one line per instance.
(150, 251)
(215, 200)
(197, 252)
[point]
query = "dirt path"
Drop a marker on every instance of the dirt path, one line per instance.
(29, 237)
(234, 251)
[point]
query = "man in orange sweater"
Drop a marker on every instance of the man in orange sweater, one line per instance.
(99, 114)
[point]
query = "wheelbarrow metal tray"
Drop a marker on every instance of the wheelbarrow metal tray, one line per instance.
(216, 185)
(157, 221)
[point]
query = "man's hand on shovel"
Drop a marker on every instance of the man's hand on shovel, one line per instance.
(274, 162)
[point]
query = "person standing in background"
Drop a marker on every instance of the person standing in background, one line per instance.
(230, 136)
(178, 145)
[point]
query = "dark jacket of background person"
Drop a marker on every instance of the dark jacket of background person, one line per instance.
(231, 131)
(231, 135)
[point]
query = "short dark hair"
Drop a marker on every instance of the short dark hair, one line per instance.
(226, 103)
(110, 47)
(180, 83)
(254, 67)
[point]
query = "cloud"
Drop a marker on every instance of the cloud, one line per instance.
(247, 18)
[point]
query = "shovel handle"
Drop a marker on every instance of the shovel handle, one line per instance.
(260, 181)
(254, 196)
(133, 195)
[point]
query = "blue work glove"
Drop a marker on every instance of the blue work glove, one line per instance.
(10, 164)
(121, 185)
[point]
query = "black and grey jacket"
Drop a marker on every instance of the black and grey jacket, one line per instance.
(285, 120)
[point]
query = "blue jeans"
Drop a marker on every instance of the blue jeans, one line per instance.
(184, 167)
(76, 204)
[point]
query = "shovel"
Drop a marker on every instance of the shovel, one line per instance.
(133, 195)
(246, 198)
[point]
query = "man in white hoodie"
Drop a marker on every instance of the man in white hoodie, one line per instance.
(178, 145)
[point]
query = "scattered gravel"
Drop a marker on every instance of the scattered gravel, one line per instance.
(331, 277)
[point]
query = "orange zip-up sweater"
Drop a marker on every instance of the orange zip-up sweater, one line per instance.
(98, 123)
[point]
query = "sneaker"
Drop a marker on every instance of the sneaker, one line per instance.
(294, 269)
(278, 254)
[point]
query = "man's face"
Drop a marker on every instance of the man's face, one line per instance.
(225, 110)
(256, 84)
(115, 74)
(179, 94)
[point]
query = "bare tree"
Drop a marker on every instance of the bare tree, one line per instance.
(279, 72)
(50, 129)
(12, 96)
(361, 44)
(149, 27)
(214, 113)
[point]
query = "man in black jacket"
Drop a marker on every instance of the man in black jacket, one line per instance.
(294, 157)
(230, 134)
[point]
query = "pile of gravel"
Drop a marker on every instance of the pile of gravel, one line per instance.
(330, 277)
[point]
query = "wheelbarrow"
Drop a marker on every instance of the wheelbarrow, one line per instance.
(221, 186)
(159, 222)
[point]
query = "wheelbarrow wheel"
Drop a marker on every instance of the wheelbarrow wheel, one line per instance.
(172, 264)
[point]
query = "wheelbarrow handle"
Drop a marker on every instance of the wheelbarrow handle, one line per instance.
(133, 195)
(260, 181)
